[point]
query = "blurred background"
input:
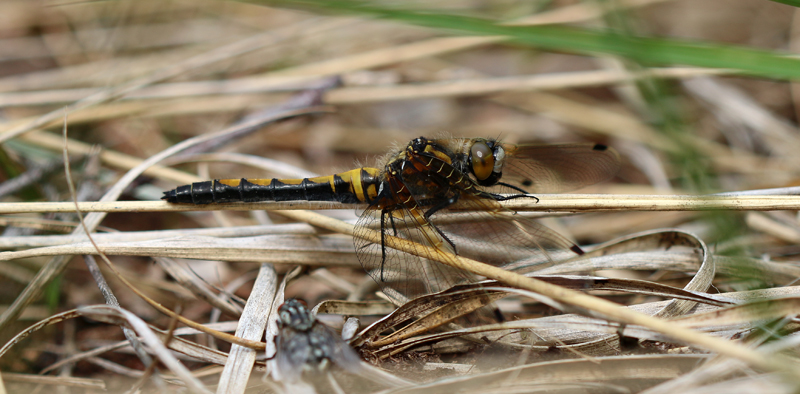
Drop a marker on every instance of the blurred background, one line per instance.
(690, 108)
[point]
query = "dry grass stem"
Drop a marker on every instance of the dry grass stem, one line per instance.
(677, 289)
(547, 202)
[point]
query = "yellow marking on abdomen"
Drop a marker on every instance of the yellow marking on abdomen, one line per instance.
(230, 182)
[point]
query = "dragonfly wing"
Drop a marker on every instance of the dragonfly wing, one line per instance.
(498, 236)
(410, 275)
(558, 168)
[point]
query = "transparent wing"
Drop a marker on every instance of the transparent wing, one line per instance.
(330, 345)
(498, 236)
(558, 168)
(489, 233)
(294, 350)
(404, 276)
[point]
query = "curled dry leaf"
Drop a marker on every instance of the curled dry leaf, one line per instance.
(188, 88)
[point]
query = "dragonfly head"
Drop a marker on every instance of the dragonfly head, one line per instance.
(295, 314)
(418, 144)
(486, 159)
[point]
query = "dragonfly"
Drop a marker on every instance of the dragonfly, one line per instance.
(414, 194)
(303, 343)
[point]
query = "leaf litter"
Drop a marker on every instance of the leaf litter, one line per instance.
(449, 341)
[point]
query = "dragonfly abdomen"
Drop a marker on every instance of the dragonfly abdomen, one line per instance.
(351, 187)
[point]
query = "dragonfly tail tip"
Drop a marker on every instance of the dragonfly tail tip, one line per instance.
(170, 196)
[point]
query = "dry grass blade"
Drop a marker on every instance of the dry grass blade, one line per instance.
(10, 242)
(548, 202)
(673, 269)
(565, 374)
(111, 300)
(117, 316)
(755, 311)
(453, 298)
(56, 380)
(222, 53)
(54, 319)
(436, 317)
(251, 326)
(477, 87)
(570, 297)
(148, 337)
(187, 349)
(275, 249)
(92, 220)
(582, 333)
(194, 284)
(355, 308)
(668, 240)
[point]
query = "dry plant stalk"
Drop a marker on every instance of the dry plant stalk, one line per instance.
(547, 203)
(754, 139)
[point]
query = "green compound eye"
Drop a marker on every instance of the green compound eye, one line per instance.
(482, 160)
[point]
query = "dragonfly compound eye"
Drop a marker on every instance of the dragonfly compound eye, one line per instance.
(481, 160)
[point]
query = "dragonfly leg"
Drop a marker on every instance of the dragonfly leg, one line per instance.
(441, 205)
(452, 245)
(510, 186)
(499, 197)
(394, 228)
(444, 204)
(384, 212)
(523, 193)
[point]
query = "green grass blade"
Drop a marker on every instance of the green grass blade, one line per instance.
(645, 50)
(793, 3)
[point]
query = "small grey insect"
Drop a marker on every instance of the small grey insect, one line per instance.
(303, 343)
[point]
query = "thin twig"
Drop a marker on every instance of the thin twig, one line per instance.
(547, 203)
(483, 86)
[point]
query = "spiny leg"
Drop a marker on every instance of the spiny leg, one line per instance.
(384, 211)
(510, 186)
(523, 193)
(394, 228)
(441, 205)
(500, 197)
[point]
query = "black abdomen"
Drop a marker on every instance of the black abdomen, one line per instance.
(350, 187)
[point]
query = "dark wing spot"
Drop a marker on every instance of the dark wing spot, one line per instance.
(577, 249)
(526, 182)
(599, 147)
